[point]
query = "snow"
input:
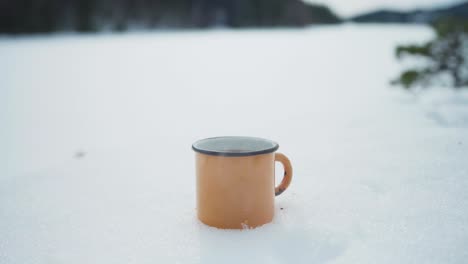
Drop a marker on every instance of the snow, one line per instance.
(96, 164)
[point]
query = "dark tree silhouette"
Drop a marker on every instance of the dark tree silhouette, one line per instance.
(33, 16)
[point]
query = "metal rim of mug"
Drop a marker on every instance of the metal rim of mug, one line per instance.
(273, 148)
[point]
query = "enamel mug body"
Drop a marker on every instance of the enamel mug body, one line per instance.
(235, 179)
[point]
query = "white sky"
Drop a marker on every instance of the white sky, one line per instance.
(353, 7)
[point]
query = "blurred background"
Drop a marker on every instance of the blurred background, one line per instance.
(447, 17)
(36, 16)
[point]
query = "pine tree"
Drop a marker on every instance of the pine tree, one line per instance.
(447, 55)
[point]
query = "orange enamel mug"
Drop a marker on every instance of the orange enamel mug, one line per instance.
(236, 181)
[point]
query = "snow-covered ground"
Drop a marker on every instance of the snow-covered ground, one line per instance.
(96, 163)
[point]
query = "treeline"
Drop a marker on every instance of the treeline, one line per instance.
(457, 11)
(39, 16)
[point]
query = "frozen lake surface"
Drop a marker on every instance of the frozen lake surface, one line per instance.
(96, 163)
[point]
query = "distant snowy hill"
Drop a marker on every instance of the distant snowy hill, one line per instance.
(417, 16)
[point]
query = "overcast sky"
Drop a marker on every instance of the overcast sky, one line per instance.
(352, 7)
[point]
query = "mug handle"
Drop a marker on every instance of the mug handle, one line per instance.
(287, 177)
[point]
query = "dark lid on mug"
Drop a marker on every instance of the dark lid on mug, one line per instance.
(235, 146)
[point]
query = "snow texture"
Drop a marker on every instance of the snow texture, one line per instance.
(96, 164)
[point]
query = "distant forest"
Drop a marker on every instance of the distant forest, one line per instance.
(40, 16)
